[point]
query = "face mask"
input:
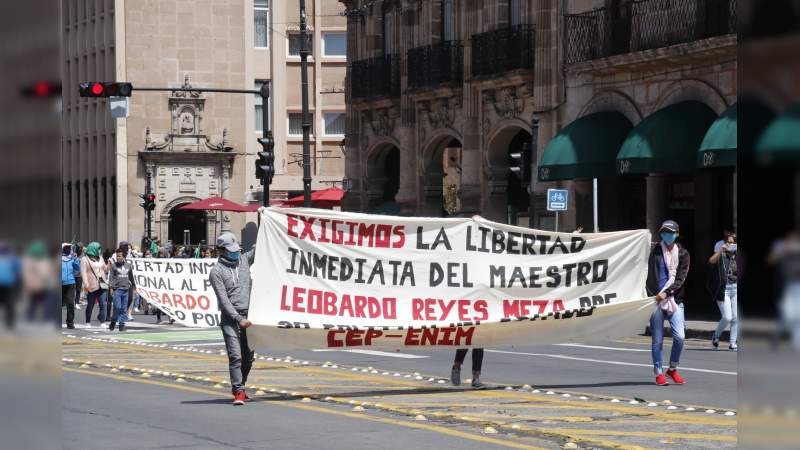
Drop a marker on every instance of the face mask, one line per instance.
(668, 237)
(233, 256)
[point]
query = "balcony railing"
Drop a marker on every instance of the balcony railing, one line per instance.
(502, 50)
(433, 65)
(645, 24)
(375, 77)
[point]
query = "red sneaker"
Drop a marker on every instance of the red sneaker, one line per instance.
(238, 398)
(661, 380)
(673, 373)
(246, 397)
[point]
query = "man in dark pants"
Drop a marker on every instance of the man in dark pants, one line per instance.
(477, 362)
(230, 279)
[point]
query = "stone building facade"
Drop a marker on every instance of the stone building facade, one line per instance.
(193, 145)
(493, 78)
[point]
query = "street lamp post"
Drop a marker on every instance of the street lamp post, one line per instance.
(306, 123)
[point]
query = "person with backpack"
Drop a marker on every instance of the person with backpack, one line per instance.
(68, 283)
(93, 272)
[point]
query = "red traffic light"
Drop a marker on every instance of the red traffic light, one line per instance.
(41, 89)
(105, 89)
(151, 197)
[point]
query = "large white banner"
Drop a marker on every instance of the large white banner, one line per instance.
(330, 279)
(178, 287)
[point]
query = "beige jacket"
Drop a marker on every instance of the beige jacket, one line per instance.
(91, 273)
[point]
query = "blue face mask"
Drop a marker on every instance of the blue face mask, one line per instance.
(233, 256)
(668, 237)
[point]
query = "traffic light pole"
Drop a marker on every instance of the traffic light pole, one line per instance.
(304, 88)
(148, 212)
(265, 181)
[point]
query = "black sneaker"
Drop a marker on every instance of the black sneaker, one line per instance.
(122, 327)
(476, 381)
(455, 376)
(715, 342)
(111, 326)
(733, 348)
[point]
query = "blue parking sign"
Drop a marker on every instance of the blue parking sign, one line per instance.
(557, 199)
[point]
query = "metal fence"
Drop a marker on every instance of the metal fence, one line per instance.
(433, 65)
(504, 49)
(375, 77)
(645, 24)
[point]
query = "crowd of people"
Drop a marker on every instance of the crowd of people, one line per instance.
(95, 277)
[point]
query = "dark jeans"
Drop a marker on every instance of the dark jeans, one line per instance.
(68, 299)
(477, 358)
(99, 295)
(78, 286)
(240, 355)
(7, 297)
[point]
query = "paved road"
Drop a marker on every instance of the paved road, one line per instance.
(102, 412)
(620, 368)
(173, 381)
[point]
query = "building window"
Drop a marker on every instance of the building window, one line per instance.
(334, 123)
(334, 44)
(261, 23)
(388, 32)
(296, 124)
(514, 13)
(294, 44)
(259, 107)
(447, 20)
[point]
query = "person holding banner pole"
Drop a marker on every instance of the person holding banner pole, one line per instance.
(668, 267)
(477, 362)
(230, 279)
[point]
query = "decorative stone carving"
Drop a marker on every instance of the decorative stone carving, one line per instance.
(440, 114)
(508, 105)
(382, 123)
(187, 185)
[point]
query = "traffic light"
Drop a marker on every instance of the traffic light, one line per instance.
(148, 201)
(519, 163)
(41, 89)
(265, 164)
(105, 89)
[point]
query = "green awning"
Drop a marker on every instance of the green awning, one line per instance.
(666, 141)
(585, 148)
(718, 148)
(780, 142)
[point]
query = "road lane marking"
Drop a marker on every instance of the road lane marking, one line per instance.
(600, 347)
(649, 434)
(319, 409)
(374, 353)
(604, 361)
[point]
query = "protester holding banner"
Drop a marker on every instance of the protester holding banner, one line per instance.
(477, 362)
(94, 282)
(230, 279)
(120, 282)
(666, 277)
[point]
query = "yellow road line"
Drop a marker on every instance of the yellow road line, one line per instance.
(649, 434)
(318, 409)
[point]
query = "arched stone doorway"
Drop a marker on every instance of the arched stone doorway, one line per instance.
(203, 226)
(187, 227)
(383, 180)
(507, 197)
(441, 177)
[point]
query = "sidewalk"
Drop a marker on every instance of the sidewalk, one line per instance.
(704, 329)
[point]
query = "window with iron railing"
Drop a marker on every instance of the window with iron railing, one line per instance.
(645, 24)
(432, 65)
(504, 49)
(375, 77)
